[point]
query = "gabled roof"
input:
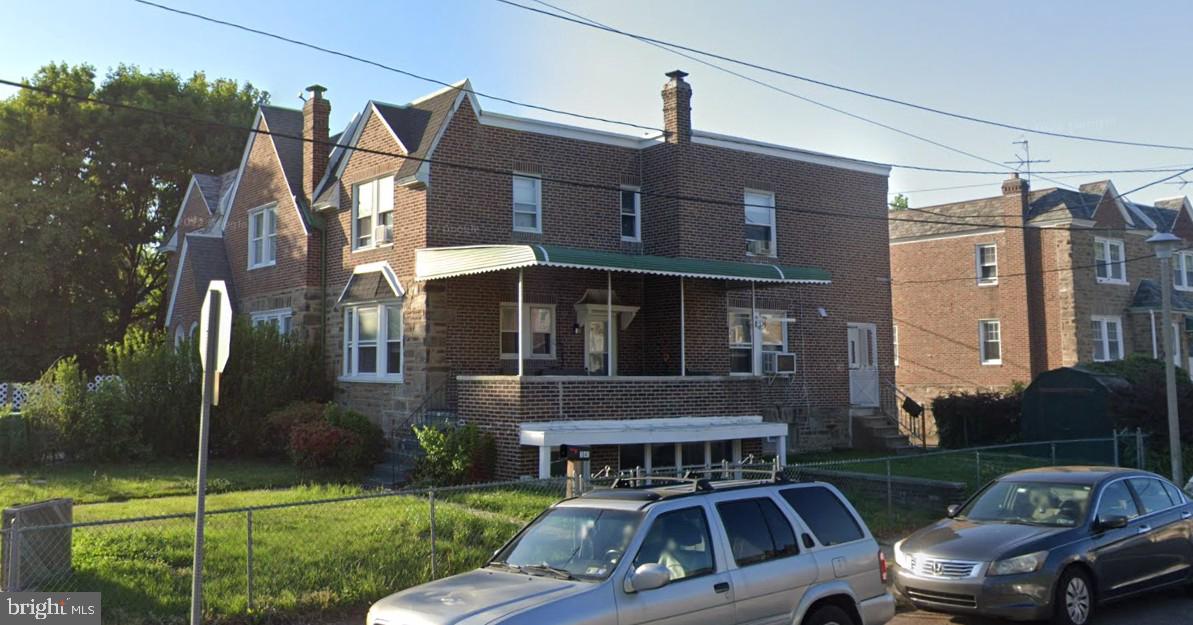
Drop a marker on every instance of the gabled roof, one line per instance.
(213, 188)
(208, 260)
(1147, 297)
(284, 121)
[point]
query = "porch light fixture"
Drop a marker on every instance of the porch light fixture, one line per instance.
(576, 328)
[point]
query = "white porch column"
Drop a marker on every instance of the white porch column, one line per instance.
(781, 451)
(679, 459)
(609, 323)
(544, 462)
(522, 348)
(683, 340)
(707, 454)
(755, 335)
(736, 458)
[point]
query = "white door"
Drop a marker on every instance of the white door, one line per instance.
(596, 346)
(863, 364)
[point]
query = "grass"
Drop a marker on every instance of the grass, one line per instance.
(105, 483)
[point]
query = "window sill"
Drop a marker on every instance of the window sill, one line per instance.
(1109, 281)
(263, 265)
(753, 255)
(1185, 289)
(371, 379)
(988, 283)
(991, 363)
(372, 247)
(528, 230)
(625, 239)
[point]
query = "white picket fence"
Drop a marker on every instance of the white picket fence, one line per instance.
(14, 394)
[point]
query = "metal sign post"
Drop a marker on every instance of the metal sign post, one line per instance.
(215, 336)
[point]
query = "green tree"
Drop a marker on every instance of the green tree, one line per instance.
(86, 194)
(899, 202)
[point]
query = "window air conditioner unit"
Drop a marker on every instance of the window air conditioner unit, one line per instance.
(758, 248)
(382, 234)
(778, 363)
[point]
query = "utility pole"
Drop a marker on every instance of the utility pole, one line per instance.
(1164, 243)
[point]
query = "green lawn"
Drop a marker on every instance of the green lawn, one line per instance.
(103, 483)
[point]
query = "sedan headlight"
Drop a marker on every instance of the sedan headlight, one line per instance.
(1029, 563)
(901, 558)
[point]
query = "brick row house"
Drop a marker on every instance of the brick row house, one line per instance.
(672, 300)
(1042, 279)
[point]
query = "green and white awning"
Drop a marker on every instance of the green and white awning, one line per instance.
(449, 262)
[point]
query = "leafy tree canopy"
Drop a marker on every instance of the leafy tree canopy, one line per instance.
(87, 192)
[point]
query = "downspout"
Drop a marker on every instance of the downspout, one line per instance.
(323, 297)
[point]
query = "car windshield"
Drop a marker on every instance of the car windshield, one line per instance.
(582, 543)
(1036, 503)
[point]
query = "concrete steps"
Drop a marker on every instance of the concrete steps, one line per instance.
(874, 431)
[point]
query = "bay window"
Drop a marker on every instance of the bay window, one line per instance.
(373, 343)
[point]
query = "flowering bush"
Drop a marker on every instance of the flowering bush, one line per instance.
(319, 444)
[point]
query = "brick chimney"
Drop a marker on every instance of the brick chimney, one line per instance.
(677, 108)
(316, 113)
(1015, 191)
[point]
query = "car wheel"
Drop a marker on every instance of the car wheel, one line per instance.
(1074, 604)
(829, 615)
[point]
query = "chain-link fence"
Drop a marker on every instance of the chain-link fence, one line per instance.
(308, 556)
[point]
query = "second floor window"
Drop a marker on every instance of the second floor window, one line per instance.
(760, 223)
(372, 213)
(1109, 260)
(528, 204)
(1182, 271)
(990, 341)
(631, 215)
(1108, 338)
(263, 237)
(987, 260)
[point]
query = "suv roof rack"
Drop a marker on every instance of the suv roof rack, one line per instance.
(700, 480)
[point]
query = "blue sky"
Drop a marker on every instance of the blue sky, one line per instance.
(1093, 67)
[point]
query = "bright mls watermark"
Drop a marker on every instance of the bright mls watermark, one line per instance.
(49, 608)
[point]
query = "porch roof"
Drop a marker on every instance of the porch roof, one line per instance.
(449, 262)
(633, 431)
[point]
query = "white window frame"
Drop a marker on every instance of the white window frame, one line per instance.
(895, 342)
(774, 226)
(523, 334)
(1100, 325)
(764, 347)
(538, 203)
(380, 203)
(280, 318)
(349, 371)
(983, 324)
(1103, 246)
(621, 214)
(1182, 261)
(980, 262)
(268, 240)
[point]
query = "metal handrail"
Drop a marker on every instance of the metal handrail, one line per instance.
(921, 432)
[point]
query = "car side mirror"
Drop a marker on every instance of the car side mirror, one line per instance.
(1112, 522)
(952, 510)
(647, 576)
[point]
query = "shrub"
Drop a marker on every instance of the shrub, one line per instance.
(975, 419)
(54, 407)
(161, 388)
(283, 420)
(20, 444)
(372, 439)
(106, 431)
(454, 455)
(319, 444)
(1144, 404)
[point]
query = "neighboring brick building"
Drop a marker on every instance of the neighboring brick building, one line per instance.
(1042, 279)
(761, 313)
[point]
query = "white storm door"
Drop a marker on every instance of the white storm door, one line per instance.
(863, 364)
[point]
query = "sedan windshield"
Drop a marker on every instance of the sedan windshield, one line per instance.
(584, 543)
(1034, 503)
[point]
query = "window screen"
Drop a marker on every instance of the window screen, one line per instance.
(826, 516)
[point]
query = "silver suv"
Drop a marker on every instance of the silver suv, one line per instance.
(691, 551)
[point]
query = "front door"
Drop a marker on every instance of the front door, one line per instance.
(863, 364)
(596, 347)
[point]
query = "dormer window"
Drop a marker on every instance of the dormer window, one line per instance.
(263, 236)
(372, 213)
(1110, 261)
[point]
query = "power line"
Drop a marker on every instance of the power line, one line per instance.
(493, 170)
(1001, 171)
(854, 91)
